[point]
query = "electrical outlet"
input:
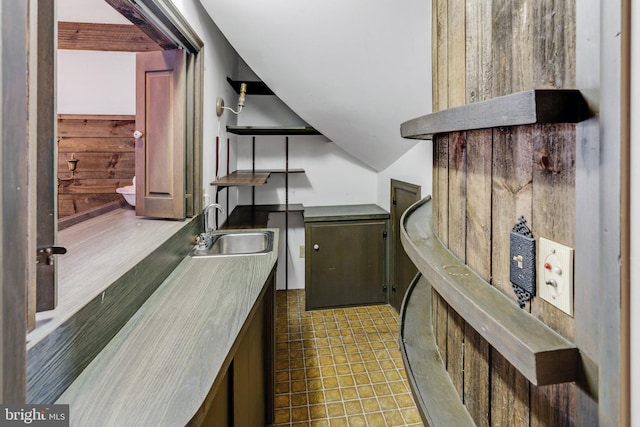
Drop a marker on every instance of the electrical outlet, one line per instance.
(301, 251)
(555, 275)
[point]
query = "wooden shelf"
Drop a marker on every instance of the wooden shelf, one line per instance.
(247, 216)
(271, 171)
(523, 108)
(253, 87)
(272, 130)
(538, 352)
(434, 393)
(240, 178)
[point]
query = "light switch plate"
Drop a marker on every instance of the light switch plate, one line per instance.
(555, 275)
(301, 251)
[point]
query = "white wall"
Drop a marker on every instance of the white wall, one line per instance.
(414, 167)
(91, 82)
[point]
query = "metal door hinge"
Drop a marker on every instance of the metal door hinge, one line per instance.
(384, 287)
(394, 202)
(45, 254)
(384, 234)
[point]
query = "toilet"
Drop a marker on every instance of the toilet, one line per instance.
(129, 192)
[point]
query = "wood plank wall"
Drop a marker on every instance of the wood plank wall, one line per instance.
(485, 179)
(104, 146)
(485, 49)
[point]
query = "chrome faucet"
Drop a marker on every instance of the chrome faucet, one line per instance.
(206, 236)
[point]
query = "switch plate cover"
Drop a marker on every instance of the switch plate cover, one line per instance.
(555, 275)
(522, 266)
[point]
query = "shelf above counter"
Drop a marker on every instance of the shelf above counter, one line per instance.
(249, 178)
(538, 106)
(542, 355)
(242, 178)
(272, 130)
(257, 216)
(253, 87)
(296, 170)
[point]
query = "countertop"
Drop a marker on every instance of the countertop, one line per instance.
(344, 213)
(159, 368)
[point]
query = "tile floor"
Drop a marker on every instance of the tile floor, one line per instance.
(339, 367)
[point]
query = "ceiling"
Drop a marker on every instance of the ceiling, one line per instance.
(355, 70)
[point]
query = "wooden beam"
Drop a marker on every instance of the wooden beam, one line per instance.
(522, 108)
(144, 23)
(104, 37)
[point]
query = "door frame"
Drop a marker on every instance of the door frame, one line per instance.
(15, 159)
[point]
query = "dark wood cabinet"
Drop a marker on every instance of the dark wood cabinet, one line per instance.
(245, 394)
(345, 252)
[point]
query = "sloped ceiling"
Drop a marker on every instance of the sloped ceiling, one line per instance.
(355, 70)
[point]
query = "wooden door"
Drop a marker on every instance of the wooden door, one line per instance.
(403, 195)
(346, 263)
(160, 147)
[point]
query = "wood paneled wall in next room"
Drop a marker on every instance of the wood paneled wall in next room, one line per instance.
(104, 146)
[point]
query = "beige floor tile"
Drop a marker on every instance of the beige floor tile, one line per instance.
(387, 403)
(299, 399)
(411, 415)
(376, 419)
(394, 418)
(335, 409)
(349, 393)
(357, 421)
(300, 414)
(332, 395)
(353, 407)
(370, 405)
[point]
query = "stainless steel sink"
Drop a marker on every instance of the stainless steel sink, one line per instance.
(236, 243)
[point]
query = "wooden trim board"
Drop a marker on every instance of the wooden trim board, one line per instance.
(104, 37)
(522, 108)
(542, 355)
(432, 389)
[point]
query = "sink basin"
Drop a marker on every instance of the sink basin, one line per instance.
(229, 244)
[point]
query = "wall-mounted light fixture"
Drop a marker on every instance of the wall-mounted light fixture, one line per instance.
(72, 164)
(220, 103)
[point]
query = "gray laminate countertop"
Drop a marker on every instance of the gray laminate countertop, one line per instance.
(159, 368)
(344, 213)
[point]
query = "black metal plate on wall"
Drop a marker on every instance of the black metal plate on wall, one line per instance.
(522, 270)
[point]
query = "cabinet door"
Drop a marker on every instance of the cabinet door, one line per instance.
(345, 263)
(219, 414)
(249, 378)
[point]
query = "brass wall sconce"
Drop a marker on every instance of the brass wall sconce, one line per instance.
(220, 102)
(72, 163)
